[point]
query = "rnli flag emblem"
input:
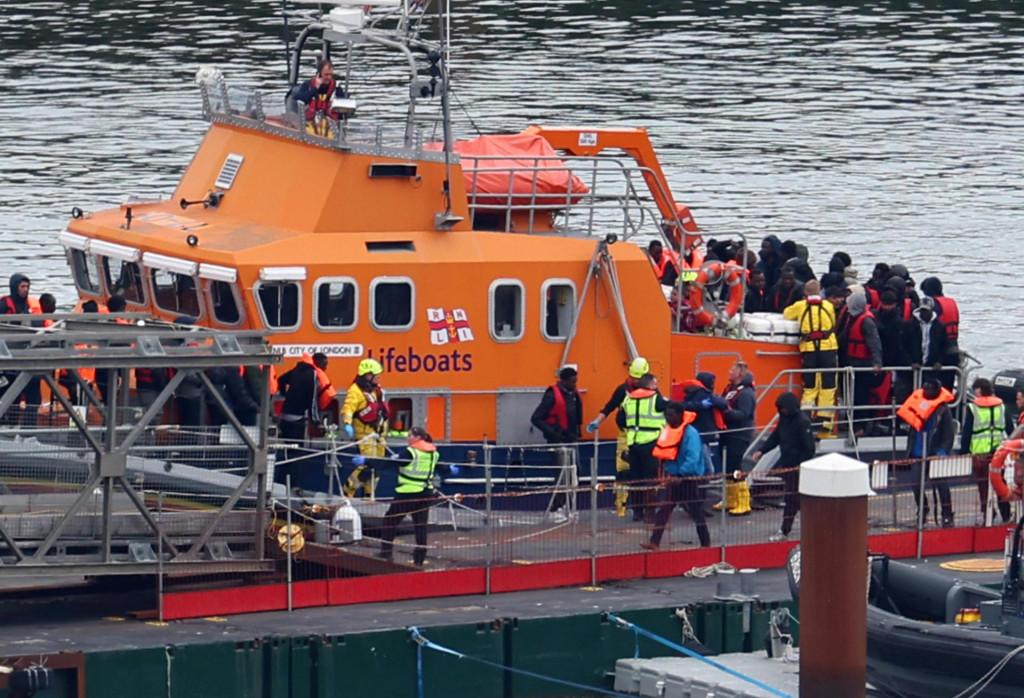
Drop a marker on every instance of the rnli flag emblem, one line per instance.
(448, 326)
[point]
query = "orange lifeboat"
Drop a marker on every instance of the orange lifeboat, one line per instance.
(1008, 456)
(711, 274)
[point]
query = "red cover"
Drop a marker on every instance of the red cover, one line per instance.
(521, 152)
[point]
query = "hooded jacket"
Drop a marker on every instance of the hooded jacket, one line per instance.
(695, 396)
(21, 305)
(856, 305)
(742, 402)
(792, 434)
(771, 269)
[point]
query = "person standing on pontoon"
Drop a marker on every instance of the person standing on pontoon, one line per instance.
(414, 495)
(559, 417)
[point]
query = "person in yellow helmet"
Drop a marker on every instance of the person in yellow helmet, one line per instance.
(364, 417)
(637, 368)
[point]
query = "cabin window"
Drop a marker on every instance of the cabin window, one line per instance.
(507, 303)
(125, 279)
(336, 304)
(392, 303)
(87, 276)
(279, 303)
(559, 298)
(224, 302)
(175, 293)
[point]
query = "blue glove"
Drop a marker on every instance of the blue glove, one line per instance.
(941, 452)
(706, 403)
(592, 427)
(453, 470)
(359, 460)
(349, 431)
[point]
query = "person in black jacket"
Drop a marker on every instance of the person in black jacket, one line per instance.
(741, 402)
(299, 389)
(795, 441)
(559, 416)
(235, 392)
(702, 401)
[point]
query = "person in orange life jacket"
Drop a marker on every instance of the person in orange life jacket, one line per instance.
(741, 403)
(115, 304)
(931, 434)
(980, 439)
(637, 368)
(559, 417)
(19, 302)
(794, 438)
(860, 347)
(414, 495)
(299, 387)
(1018, 430)
(643, 413)
(948, 313)
(679, 449)
(666, 266)
(702, 400)
(786, 292)
(756, 300)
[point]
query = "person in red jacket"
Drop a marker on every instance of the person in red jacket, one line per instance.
(559, 416)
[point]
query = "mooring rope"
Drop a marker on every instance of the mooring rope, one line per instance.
(622, 622)
(422, 642)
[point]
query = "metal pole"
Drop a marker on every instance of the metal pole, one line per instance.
(288, 546)
(924, 495)
(488, 490)
(724, 512)
(159, 556)
(593, 512)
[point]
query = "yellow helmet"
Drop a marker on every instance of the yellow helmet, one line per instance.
(370, 366)
(639, 367)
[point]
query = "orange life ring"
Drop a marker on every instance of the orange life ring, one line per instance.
(711, 274)
(995, 471)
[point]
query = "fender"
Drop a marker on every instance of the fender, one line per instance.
(999, 462)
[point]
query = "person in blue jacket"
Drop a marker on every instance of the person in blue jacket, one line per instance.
(682, 455)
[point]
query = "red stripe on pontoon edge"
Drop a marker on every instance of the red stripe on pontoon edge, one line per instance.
(544, 575)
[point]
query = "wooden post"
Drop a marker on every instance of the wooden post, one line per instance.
(834, 493)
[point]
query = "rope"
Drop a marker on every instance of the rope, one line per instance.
(705, 572)
(989, 676)
(423, 642)
(690, 653)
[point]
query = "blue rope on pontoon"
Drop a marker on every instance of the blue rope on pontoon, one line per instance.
(422, 642)
(622, 622)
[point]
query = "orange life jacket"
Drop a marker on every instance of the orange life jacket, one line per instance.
(995, 470)
(949, 316)
(916, 409)
(321, 101)
(856, 344)
(667, 257)
(670, 438)
(325, 393)
(33, 305)
(559, 414)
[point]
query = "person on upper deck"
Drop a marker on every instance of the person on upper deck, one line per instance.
(665, 263)
(319, 91)
(771, 260)
(19, 302)
(756, 300)
(795, 256)
(819, 352)
(860, 347)
(786, 292)
(948, 313)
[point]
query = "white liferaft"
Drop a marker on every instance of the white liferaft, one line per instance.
(771, 327)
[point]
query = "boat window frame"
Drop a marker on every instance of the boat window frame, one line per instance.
(544, 287)
(236, 293)
(103, 263)
(263, 316)
(506, 281)
(372, 303)
(98, 292)
(197, 285)
(316, 304)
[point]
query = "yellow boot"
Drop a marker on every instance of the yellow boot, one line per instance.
(621, 495)
(729, 502)
(354, 482)
(827, 398)
(741, 497)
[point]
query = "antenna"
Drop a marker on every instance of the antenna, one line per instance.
(445, 220)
